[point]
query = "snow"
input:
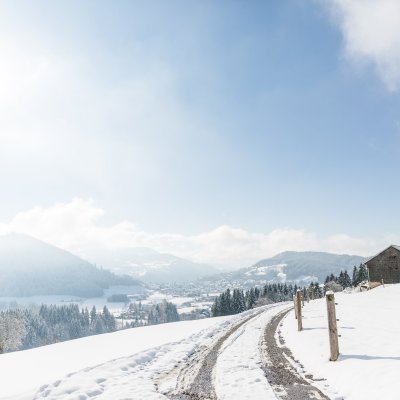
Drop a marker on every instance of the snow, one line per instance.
(137, 363)
(261, 271)
(238, 374)
(369, 345)
(52, 363)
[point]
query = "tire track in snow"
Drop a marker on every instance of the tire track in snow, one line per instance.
(196, 379)
(238, 373)
(282, 370)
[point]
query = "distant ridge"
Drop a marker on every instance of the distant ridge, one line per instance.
(31, 267)
(294, 266)
(151, 266)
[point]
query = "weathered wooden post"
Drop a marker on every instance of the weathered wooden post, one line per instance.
(298, 308)
(295, 306)
(332, 326)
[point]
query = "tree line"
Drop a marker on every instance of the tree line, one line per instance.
(359, 275)
(237, 300)
(22, 329)
(153, 314)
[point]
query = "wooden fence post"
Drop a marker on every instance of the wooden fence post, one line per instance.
(295, 306)
(298, 308)
(333, 333)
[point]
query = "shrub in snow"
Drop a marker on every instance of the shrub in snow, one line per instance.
(332, 285)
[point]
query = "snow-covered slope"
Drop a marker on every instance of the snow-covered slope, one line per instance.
(44, 369)
(369, 325)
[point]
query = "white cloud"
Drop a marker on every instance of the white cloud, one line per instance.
(77, 226)
(371, 32)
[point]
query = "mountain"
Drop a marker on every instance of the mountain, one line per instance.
(31, 267)
(295, 266)
(151, 266)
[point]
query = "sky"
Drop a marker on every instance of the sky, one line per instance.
(223, 131)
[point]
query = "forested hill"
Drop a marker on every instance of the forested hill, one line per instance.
(300, 265)
(31, 267)
(295, 266)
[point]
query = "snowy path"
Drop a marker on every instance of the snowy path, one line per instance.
(239, 374)
(232, 366)
(196, 379)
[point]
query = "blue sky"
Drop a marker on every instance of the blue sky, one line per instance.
(182, 117)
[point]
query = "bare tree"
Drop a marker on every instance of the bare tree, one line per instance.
(12, 331)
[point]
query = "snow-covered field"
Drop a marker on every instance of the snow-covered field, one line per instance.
(24, 372)
(369, 325)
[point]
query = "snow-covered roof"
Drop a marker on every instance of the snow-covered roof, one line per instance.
(392, 245)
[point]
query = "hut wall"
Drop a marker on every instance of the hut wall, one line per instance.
(386, 266)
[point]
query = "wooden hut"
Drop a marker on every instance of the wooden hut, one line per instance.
(385, 265)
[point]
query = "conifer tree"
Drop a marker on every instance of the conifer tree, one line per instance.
(224, 307)
(216, 307)
(362, 273)
(355, 281)
(346, 279)
(340, 280)
(93, 314)
(242, 303)
(235, 301)
(251, 300)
